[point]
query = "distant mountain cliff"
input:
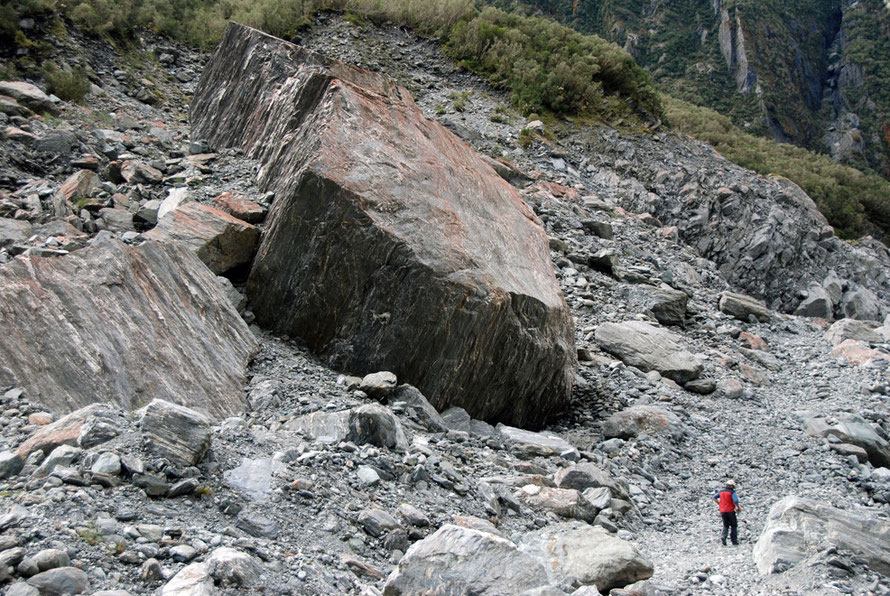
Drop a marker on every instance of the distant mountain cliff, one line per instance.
(811, 72)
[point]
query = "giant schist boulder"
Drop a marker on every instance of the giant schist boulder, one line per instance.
(122, 325)
(390, 245)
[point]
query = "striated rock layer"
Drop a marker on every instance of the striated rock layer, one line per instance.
(390, 245)
(122, 325)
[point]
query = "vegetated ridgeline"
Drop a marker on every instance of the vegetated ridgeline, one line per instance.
(330, 484)
(811, 73)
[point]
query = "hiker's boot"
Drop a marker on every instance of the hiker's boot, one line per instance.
(723, 541)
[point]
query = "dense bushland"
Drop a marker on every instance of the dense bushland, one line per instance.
(545, 66)
(854, 202)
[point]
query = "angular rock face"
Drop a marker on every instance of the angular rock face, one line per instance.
(458, 560)
(642, 419)
(742, 307)
(856, 431)
(648, 348)
(122, 325)
(579, 554)
(797, 528)
(220, 240)
(177, 433)
(851, 329)
(391, 245)
(668, 305)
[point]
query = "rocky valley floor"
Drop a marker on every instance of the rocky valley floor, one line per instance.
(324, 483)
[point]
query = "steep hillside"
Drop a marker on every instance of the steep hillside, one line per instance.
(128, 224)
(811, 72)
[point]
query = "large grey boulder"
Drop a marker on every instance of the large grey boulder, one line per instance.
(367, 424)
(180, 434)
(797, 528)
(191, 580)
(59, 581)
(391, 245)
(528, 444)
(122, 325)
(13, 231)
(586, 475)
(742, 307)
(325, 427)
(456, 560)
(816, 303)
(854, 430)
(221, 241)
(578, 554)
(666, 304)
(647, 419)
(564, 502)
(851, 329)
(29, 96)
(376, 425)
(229, 566)
(418, 408)
(862, 304)
(648, 348)
(85, 428)
(254, 477)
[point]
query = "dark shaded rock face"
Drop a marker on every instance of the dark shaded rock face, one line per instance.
(391, 245)
(122, 325)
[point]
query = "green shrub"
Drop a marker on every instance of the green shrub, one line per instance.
(68, 85)
(459, 100)
(498, 118)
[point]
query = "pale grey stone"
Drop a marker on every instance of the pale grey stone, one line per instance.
(666, 304)
(851, 329)
(741, 307)
(230, 566)
(649, 348)
(10, 464)
(467, 562)
(377, 522)
(107, 463)
(578, 554)
(418, 408)
(254, 477)
(62, 580)
(528, 444)
(374, 424)
(175, 432)
(797, 528)
(379, 384)
(192, 580)
(51, 558)
(635, 420)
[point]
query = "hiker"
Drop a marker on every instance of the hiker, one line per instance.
(729, 506)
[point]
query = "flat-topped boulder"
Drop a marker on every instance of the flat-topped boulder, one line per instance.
(122, 325)
(649, 348)
(391, 245)
(741, 307)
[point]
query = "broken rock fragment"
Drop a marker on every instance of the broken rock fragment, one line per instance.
(175, 432)
(221, 241)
